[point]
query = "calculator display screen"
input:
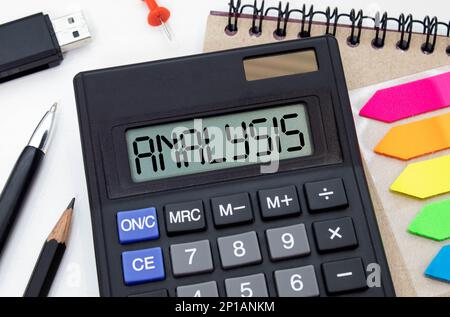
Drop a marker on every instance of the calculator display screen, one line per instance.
(263, 136)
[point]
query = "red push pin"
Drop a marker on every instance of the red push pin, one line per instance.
(158, 16)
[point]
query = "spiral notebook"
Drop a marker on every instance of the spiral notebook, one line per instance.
(374, 49)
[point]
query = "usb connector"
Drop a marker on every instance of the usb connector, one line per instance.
(71, 31)
(36, 43)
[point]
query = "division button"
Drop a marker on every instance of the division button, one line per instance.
(287, 242)
(326, 194)
(207, 289)
(335, 234)
(233, 209)
(297, 282)
(185, 217)
(239, 250)
(143, 266)
(191, 258)
(279, 202)
(345, 275)
(247, 286)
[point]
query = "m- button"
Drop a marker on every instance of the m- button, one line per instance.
(185, 217)
(228, 210)
(279, 202)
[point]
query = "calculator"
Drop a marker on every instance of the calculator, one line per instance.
(229, 174)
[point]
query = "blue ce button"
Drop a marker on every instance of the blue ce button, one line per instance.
(142, 266)
(137, 225)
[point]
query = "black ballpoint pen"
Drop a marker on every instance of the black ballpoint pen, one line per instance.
(22, 175)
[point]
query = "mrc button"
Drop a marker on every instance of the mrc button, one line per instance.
(279, 202)
(233, 209)
(185, 217)
(137, 225)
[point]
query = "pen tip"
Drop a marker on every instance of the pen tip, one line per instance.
(71, 204)
(53, 107)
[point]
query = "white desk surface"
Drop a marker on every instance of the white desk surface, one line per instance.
(120, 36)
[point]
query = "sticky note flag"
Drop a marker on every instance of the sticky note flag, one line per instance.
(408, 100)
(415, 139)
(439, 268)
(433, 221)
(425, 179)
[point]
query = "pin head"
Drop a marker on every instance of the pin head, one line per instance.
(158, 15)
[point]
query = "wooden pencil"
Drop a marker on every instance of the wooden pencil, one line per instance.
(51, 255)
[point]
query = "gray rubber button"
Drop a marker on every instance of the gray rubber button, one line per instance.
(191, 258)
(298, 282)
(239, 250)
(207, 289)
(288, 242)
(247, 286)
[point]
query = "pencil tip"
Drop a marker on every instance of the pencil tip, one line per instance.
(71, 204)
(60, 232)
(53, 107)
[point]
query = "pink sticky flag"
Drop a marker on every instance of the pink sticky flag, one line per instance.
(408, 100)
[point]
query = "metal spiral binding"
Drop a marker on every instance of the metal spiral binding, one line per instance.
(405, 24)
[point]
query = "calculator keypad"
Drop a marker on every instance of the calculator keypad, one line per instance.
(239, 250)
(287, 242)
(231, 252)
(191, 258)
(247, 286)
(207, 289)
(297, 282)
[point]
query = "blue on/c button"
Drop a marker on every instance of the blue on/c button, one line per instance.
(143, 266)
(137, 225)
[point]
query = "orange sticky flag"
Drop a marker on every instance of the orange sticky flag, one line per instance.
(417, 138)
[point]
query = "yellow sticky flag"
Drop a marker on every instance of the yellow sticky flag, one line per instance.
(425, 179)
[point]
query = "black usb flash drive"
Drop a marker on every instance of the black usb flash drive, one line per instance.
(35, 43)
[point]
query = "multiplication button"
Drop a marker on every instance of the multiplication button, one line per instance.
(185, 217)
(335, 234)
(279, 202)
(326, 194)
(191, 258)
(230, 210)
(239, 250)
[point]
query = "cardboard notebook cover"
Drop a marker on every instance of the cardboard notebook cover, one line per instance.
(363, 65)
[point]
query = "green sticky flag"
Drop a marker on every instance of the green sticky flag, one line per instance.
(433, 221)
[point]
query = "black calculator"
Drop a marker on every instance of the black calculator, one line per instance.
(229, 174)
